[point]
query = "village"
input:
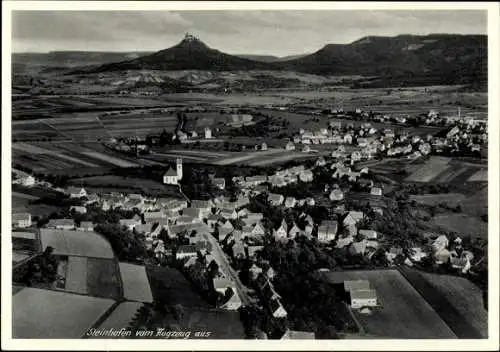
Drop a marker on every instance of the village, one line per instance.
(218, 243)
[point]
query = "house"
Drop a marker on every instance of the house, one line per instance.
(153, 215)
(344, 242)
(132, 204)
(186, 220)
(290, 146)
(257, 230)
(363, 298)
(357, 248)
(212, 220)
(298, 335)
(290, 202)
(21, 220)
(294, 231)
(130, 223)
(277, 309)
(205, 206)
(185, 251)
(393, 253)
(255, 180)
(91, 199)
(442, 256)
(282, 231)
(220, 183)
(222, 286)
(336, 195)
(78, 209)
(173, 176)
(416, 254)
(440, 243)
(306, 176)
(327, 231)
(27, 180)
(463, 264)
(352, 218)
(341, 171)
(238, 249)
(275, 199)
(76, 192)
(208, 133)
(263, 146)
(86, 226)
(321, 161)
(376, 191)
(368, 234)
(193, 213)
(61, 224)
(228, 214)
(254, 270)
(143, 229)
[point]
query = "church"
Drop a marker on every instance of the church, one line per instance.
(172, 177)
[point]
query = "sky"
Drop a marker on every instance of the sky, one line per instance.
(277, 33)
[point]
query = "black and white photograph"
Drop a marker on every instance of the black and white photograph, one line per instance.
(206, 174)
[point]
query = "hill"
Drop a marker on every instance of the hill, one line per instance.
(70, 59)
(431, 59)
(190, 54)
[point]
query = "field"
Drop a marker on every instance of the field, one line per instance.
(452, 199)
(444, 170)
(481, 175)
(103, 278)
(67, 157)
(462, 224)
(402, 314)
(98, 183)
(170, 286)
(458, 301)
(272, 156)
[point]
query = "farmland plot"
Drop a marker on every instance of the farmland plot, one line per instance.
(466, 298)
(481, 175)
(110, 159)
(458, 301)
(402, 314)
(452, 199)
(462, 224)
(428, 171)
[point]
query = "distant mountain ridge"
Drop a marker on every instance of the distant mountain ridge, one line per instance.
(270, 58)
(432, 59)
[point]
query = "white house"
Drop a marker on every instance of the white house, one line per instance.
(368, 234)
(208, 133)
(290, 202)
(21, 220)
(275, 199)
(363, 298)
(327, 231)
(78, 209)
(76, 192)
(282, 231)
(336, 195)
(290, 146)
(219, 182)
(61, 224)
(185, 251)
(306, 176)
(86, 226)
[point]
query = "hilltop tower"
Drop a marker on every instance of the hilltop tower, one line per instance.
(179, 168)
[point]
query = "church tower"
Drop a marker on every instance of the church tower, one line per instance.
(179, 169)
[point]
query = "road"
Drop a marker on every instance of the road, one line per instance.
(221, 259)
